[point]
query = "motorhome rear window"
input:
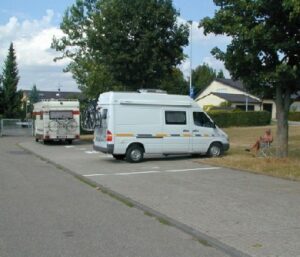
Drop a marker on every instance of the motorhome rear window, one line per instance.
(54, 115)
(175, 118)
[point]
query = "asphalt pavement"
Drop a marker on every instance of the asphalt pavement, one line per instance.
(46, 212)
(239, 213)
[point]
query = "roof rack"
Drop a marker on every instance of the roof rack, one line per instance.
(60, 99)
(152, 90)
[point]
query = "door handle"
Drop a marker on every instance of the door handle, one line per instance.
(186, 130)
(195, 130)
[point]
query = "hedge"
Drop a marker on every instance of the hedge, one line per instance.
(294, 116)
(240, 118)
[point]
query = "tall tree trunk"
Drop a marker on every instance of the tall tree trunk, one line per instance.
(283, 97)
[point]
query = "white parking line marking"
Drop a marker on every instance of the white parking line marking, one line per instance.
(91, 152)
(149, 172)
(69, 146)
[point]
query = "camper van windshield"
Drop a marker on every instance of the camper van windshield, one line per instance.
(60, 115)
(201, 119)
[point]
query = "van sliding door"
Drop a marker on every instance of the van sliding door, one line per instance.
(176, 131)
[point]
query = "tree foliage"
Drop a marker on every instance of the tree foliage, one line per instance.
(264, 51)
(127, 44)
(34, 95)
(175, 83)
(203, 75)
(32, 99)
(11, 96)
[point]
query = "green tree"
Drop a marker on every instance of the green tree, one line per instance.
(34, 95)
(175, 83)
(220, 75)
(124, 43)
(32, 99)
(11, 96)
(203, 75)
(264, 51)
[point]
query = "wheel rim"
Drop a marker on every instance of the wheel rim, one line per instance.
(215, 150)
(135, 155)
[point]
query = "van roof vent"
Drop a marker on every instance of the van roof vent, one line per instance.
(150, 90)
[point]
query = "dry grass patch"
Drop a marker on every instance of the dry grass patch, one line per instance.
(238, 158)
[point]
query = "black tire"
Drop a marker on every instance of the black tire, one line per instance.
(70, 141)
(36, 140)
(135, 154)
(215, 150)
(119, 156)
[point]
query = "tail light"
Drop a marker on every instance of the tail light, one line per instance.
(109, 136)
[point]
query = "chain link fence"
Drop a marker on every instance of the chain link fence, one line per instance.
(16, 127)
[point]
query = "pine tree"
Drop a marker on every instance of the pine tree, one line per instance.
(34, 95)
(11, 97)
(33, 98)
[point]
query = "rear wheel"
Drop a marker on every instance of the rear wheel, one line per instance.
(119, 156)
(215, 150)
(135, 153)
(70, 141)
(36, 139)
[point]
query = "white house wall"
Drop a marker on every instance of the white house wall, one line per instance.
(210, 100)
(218, 87)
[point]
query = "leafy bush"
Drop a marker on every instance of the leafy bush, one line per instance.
(240, 118)
(294, 116)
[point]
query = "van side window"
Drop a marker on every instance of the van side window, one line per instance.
(201, 119)
(175, 118)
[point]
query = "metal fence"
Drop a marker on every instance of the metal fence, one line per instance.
(16, 127)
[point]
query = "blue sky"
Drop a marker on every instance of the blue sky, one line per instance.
(31, 25)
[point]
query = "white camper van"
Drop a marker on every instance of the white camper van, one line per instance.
(57, 120)
(138, 123)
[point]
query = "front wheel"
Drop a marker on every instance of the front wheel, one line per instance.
(135, 153)
(215, 150)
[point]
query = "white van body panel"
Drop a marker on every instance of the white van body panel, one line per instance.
(57, 120)
(150, 119)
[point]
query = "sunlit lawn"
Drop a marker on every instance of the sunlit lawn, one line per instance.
(237, 157)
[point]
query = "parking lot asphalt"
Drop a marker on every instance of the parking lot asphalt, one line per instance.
(248, 214)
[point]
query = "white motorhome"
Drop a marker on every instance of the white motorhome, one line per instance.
(138, 123)
(57, 120)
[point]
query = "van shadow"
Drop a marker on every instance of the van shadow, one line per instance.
(161, 158)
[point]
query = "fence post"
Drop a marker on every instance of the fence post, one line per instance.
(1, 127)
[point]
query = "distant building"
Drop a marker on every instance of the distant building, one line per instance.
(228, 90)
(52, 95)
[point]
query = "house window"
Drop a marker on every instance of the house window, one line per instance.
(268, 107)
(175, 118)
